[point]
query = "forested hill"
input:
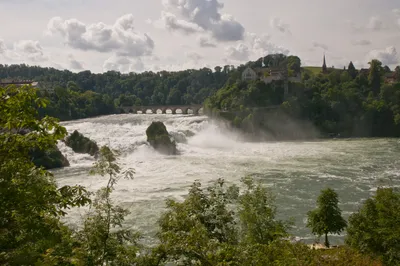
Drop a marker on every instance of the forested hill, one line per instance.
(346, 102)
(86, 94)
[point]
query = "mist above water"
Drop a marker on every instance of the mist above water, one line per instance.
(294, 171)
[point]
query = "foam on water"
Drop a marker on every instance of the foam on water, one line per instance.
(294, 171)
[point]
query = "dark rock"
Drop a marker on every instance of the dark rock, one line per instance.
(49, 159)
(81, 144)
(159, 139)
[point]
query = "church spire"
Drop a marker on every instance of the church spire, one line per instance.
(324, 68)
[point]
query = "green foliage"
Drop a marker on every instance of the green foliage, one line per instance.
(81, 144)
(103, 241)
(374, 229)
(352, 70)
(219, 224)
(348, 103)
(375, 75)
(85, 94)
(397, 73)
(257, 215)
(327, 218)
(31, 205)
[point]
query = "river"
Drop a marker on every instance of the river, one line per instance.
(294, 171)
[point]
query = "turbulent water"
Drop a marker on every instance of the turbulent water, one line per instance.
(294, 171)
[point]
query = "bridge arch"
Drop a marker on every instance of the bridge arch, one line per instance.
(177, 109)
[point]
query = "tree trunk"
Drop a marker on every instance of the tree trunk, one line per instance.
(326, 240)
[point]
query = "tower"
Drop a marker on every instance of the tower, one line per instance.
(324, 68)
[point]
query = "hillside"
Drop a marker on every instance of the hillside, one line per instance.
(312, 70)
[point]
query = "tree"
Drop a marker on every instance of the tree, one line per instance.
(397, 73)
(386, 69)
(374, 229)
(352, 70)
(103, 241)
(375, 75)
(31, 204)
(257, 215)
(294, 64)
(327, 218)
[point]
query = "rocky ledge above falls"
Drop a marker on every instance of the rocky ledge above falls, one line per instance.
(81, 144)
(159, 139)
(49, 159)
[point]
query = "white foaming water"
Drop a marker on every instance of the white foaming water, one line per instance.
(294, 171)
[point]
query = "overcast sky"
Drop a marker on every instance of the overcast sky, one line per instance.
(134, 35)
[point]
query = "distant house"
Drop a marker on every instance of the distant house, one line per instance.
(390, 78)
(268, 75)
(249, 74)
(364, 71)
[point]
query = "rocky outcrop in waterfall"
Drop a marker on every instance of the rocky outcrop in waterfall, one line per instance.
(160, 140)
(49, 159)
(81, 144)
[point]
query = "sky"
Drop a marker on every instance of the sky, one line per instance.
(154, 35)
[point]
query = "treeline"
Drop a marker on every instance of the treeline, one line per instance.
(339, 102)
(217, 225)
(85, 94)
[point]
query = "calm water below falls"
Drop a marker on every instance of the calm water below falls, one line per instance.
(294, 171)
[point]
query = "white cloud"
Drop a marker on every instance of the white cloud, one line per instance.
(123, 64)
(320, 45)
(375, 24)
(205, 15)
(362, 42)
(3, 47)
(120, 38)
(396, 12)
(194, 57)
(31, 50)
(206, 42)
(240, 52)
(278, 24)
(261, 45)
(171, 22)
(387, 56)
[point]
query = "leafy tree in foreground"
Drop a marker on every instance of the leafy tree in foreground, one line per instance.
(31, 205)
(257, 215)
(375, 228)
(327, 218)
(218, 224)
(103, 241)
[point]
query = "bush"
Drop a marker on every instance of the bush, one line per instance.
(375, 229)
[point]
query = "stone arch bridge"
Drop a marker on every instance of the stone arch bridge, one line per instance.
(195, 108)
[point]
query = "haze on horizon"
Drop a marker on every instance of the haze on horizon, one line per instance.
(158, 35)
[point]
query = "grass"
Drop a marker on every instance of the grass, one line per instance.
(312, 70)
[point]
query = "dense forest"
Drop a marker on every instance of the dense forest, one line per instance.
(85, 94)
(216, 225)
(337, 102)
(327, 102)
